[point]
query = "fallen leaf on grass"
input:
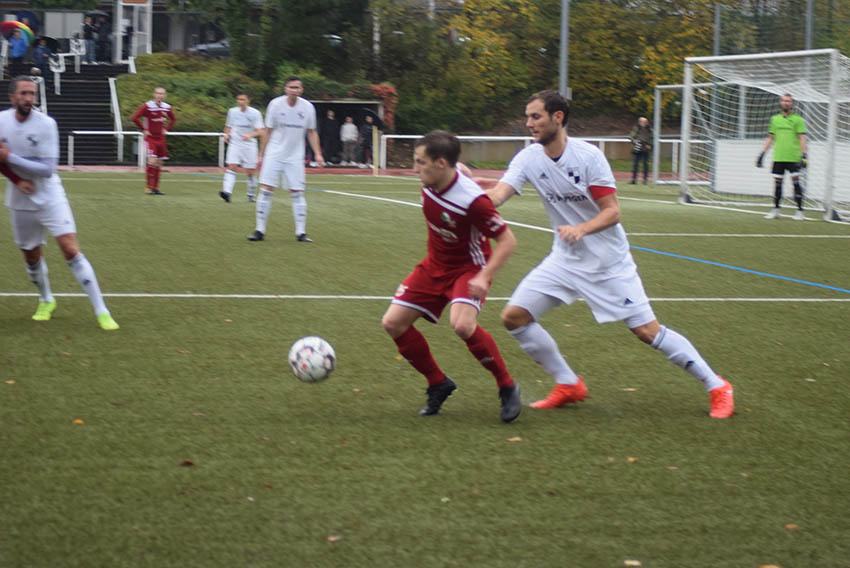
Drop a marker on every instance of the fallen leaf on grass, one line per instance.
(183, 351)
(672, 467)
(811, 381)
(770, 566)
(791, 527)
(744, 474)
(445, 499)
(334, 538)
(515, 439)
(64, 353)
(198, 414)
(631, 459)
(825, 364)
(186, 463)
(631, 563)
(357, 390)
(630, 389)
(228, 321)
(10, 382)
(78, 421)
(268, 485)
(399, 358)
(611, 460)
(251, 499)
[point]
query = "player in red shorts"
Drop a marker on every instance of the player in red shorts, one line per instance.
(155, 118)
(457, 270)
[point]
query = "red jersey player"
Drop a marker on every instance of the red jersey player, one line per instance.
(458, 270)
(155, 118)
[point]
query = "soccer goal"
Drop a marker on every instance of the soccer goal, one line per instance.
(726, 105)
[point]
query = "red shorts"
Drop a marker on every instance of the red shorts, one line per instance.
(429, 294)
(157, 148)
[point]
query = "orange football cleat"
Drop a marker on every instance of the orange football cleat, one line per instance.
(563, 394)
(722, 401)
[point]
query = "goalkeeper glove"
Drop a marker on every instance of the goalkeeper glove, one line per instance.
(804, 160)
(760, 161)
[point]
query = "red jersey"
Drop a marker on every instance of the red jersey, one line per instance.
(153, 116)
(6, 171)
(461, 221)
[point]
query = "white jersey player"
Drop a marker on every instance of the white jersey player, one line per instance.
(243, 126)
(590, 257)
(30, 148)
(288, 119)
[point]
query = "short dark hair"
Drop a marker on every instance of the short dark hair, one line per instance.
(13, 84)
(291, 78)
(441, 144)
(242, 93)
(553, 101)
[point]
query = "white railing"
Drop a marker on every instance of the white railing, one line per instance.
(131, 64)
(141, 152)
(4, 56)
(116, 116)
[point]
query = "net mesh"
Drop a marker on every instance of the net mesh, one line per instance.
(732, 102)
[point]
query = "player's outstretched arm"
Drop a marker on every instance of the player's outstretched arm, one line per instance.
(500, 193)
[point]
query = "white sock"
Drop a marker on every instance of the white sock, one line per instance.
(264, 209)
(683, 354)
(84, 273)
(229, 181)
(38, 276)
(540, 346)
(252, 185)
(299, 211)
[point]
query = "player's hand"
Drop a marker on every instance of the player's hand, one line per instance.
(570, 234)
(146, 133)
(247, 137)
(760, 161)
(478, 286)
(26, 187)
(226, 138)
(804, 160)
(320, 160)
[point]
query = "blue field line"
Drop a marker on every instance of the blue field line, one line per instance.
(740, 269)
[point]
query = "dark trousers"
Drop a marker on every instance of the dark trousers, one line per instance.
(638, 157)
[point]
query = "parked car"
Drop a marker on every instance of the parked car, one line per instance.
(215, 49)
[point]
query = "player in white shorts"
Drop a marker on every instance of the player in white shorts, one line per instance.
(243, 126)
(30, 149)
(590, 257)
(282, 154)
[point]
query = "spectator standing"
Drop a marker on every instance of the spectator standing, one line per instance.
(18, 46)
(348, 135)
(329, 137)
(41, 55)
(641, 137)
(88, 37)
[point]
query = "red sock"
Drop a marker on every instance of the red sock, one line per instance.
(482, 346)
(413, 347)
(149, 175)
(155, 177)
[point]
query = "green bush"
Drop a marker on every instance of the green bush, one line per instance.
(200, 91)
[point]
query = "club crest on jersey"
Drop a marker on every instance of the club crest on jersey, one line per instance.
(575, 175)
(400, 290)
(447, 219)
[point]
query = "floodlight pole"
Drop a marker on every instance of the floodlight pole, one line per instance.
(810, 11)
(563, 83)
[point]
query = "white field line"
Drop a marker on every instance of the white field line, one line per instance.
(189, 295)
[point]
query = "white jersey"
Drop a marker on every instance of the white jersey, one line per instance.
(567, 187)
(243, 122)
(288, 125)
(36, 139)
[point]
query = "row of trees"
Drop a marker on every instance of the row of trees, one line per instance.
(468, 65)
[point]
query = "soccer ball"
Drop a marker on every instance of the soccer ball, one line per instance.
(312, 359)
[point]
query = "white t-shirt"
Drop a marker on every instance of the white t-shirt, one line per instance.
(289, 126)
(567, 186)
(36, 139)
(348, 132)
(243, 122)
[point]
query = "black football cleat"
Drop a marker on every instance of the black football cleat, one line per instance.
(511, 403)
(303, 238)
(224, 195)
(437, 395)
(156, 192)
(257, 236)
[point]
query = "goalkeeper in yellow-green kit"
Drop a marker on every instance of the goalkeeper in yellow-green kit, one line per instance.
(788, 130)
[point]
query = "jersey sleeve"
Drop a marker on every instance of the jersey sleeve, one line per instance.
(484, 217)
(50, 147)
(801, 125)
(258, 120)
(311, 118)
(228, 121)
(270, 114)
(137, 117)
(599, 174)
(771, 129)
(172, 119)
(516, 176)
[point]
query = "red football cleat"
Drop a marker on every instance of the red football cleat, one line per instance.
(563, 394)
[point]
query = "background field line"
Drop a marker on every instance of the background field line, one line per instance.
(186, 295)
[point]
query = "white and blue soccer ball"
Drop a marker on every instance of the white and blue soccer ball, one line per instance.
(312, 359)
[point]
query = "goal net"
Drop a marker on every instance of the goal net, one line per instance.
(727, 102)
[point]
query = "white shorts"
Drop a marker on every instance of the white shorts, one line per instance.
(272, 169)
(243, 155)
(613, 295)
(29, 227)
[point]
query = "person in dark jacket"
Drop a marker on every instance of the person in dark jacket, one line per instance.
(641, 137)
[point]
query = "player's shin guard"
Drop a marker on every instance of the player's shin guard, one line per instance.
(154, 177)
(482, 346)
(264, 208)
(413, 346)
(84, 273)
(798, 193)
(299, 211)
(228, 182)
(539, 345)
(777, 192)
(683, 354)
(38, 276)
(149, 176)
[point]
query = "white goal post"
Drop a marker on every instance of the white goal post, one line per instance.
(727, 102)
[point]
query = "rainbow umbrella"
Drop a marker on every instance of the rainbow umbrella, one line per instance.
(8, 28)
